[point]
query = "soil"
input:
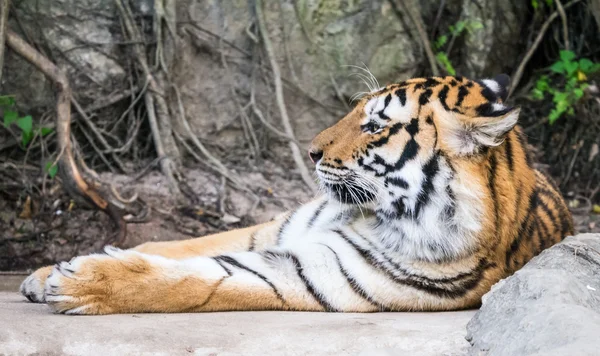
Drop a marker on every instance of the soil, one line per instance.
(36, 232)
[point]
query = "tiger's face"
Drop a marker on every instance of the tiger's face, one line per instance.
(398, 144)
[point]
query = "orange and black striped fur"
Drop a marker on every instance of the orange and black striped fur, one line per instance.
(429, 200)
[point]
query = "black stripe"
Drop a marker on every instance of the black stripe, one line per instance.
(493, 192)
(222, 266)
(442, 96)
(524, 228)
(356, 287)
(424, 97)
(551, 214)
(387, 100)
(307, 283)
(430, 170)
(462, 92)
(401, 94)
(233, 262)
(565, 227)
(316, 214)
(509, 153)
(398, 182)
(466, 282)
(543, 234)
(252, 241)
(283, 227)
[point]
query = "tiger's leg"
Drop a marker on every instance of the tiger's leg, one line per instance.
(310, 278)
(248, 239)
(252, 238)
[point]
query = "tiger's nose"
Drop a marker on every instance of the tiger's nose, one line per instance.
(315, 154)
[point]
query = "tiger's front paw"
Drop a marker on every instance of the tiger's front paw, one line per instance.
(95, 284)
(33, 286)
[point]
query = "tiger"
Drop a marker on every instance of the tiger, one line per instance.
(429, 198)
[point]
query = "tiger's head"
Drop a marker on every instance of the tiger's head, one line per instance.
(399, 144)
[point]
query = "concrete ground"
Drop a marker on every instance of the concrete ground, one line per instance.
(27, 329)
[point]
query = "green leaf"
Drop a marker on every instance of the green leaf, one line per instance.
(566, 56)
(578, 93)
(571, 67)
(441, 41)
(26, 137)
(51, 169)
(7, 101)
(554, 115)
(542, 84)
(10, 116)
(460, 26)
(558, 67)
(26, 124)
(443, 59)
(537, 94)
(585, 65)
(549, 2)
(475, 25)
(45, 131)
(534, 4)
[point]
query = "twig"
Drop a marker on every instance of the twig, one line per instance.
(519, 72)
(4, 9)
(264, 121)
(106, 146)
(565, 24)
(418, 22)
(306, 177)
(213, 161)
(438, 16)
(110, 100)
(246, 123)
(73, 182)
(166, 164)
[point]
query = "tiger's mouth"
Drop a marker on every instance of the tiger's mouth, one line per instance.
(349, 193)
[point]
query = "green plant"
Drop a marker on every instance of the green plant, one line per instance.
(536, 3)
(25, 124)
(454, 31)
(566, 83)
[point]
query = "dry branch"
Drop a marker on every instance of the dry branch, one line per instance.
(306, 177)
(72, 180)
(4, 9)
(413, 12)
(565, 24)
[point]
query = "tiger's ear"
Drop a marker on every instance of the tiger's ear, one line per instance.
(471, 136)
(499, 85)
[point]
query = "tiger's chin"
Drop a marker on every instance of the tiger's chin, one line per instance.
(348, 194)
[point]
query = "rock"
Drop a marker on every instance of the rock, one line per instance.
(550, 307)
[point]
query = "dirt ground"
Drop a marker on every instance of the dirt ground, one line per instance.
(34, 233)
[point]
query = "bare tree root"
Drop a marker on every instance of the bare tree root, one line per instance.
(4, 9)
(565, 24)
(306, 177)
(72, 180)
(156, 105)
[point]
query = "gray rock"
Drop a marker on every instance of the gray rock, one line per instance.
(550, 307)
